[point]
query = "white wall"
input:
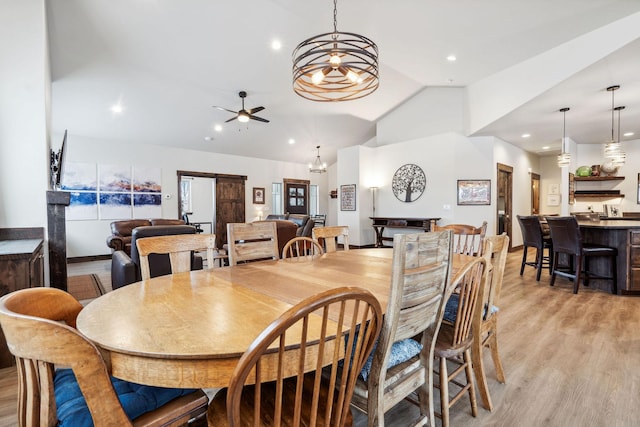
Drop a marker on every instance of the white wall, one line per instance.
(24, 89)
(86, 238)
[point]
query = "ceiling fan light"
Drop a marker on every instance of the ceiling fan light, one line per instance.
(243, 117)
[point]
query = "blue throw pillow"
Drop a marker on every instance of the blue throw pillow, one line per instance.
(136, 399)
(401, 351)
(451, 309)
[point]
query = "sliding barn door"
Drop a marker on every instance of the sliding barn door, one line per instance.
(229, 205)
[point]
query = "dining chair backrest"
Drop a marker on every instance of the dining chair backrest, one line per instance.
(468, 239)
(328, 237)
(565, 234)
(320, 320)
(485, 326)
(252, 241)
(179, 247)
(496, 249)
(531, 229)
(302, 249)
(455, 336)
(39, 326)
(420, 272)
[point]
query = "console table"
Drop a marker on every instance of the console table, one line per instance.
(380, 223)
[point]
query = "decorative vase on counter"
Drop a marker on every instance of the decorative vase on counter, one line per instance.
(609, 168)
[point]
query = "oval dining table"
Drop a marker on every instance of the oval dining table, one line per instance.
(189, 330)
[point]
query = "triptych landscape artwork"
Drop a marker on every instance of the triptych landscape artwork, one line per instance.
(112, 191)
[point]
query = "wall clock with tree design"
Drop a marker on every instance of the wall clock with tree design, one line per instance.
(409, 183)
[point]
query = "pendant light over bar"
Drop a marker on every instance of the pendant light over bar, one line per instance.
(613, 148)
(564, 158)
(335, 66)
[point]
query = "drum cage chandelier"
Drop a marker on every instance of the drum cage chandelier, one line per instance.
(335, 66)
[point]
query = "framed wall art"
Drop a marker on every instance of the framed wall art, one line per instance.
(348, 197)
(258, 195)
(474, 192)
(408, 183)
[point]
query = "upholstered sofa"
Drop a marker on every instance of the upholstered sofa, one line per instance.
(125, 269)
(120, 239)
(304, 222)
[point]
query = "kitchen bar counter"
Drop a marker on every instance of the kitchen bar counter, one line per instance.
(625, 236)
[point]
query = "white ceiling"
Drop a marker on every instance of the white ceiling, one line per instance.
(168, 62)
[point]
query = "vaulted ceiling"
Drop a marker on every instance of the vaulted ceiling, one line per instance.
(168, 62)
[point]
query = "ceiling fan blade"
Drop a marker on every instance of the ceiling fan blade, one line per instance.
(260, 119)
(231, 119)
(225, 109)
(255, 110)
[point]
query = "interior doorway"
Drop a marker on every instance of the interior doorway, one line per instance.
(505, 200)
(535, 194)
(296, 196)
(228, 199)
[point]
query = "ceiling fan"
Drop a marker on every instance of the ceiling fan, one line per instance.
(243, 115)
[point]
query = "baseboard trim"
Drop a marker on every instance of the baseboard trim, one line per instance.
(89, 258)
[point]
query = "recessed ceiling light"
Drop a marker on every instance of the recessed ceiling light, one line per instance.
(451, 58)
(526, 135)
(546, 147)
(217, 128)
(117, 108)
(276, 45)
(628, 134)
(292, 141)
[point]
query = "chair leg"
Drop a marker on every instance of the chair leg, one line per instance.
(470, 380)
(550, 249)
(524, 260)
(553, 271)
(444, 392)
(425, 397)
(539, 255)
(578, 270)
(481, 376)
(614, 262)
(492, 341)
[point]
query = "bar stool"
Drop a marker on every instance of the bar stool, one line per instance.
(533, 236)
(566, 237)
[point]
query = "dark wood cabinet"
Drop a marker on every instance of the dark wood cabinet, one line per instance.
(21, 266)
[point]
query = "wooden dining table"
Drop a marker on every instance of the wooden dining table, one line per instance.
(189, 330)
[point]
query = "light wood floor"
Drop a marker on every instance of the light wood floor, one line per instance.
(570, 360)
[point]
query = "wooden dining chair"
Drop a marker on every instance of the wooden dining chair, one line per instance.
(252, 241)
(39, 326)
(308, 389)
(485, 325)
(302, 249)
(455, 339)
(467, 238)
(400, 364)
(180, 248)
(328, 237)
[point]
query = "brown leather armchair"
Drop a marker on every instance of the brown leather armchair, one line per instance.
(304, 222)
(125, 269)
(120, 239)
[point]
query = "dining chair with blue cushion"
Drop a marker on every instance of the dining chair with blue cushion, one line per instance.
(39, 326)
(402, 361)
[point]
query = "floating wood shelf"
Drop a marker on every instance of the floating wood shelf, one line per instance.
(600, 196)
(599, 178)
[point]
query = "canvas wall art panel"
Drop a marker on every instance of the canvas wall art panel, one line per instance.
(114, 178)
(83, 205)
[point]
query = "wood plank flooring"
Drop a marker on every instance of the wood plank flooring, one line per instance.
(570, 360)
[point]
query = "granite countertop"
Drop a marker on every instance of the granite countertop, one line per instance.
(19, 248)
